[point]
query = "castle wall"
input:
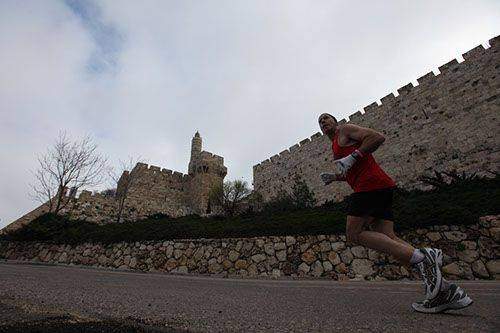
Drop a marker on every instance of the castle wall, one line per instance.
(152, 191)
(26, 218)
(446, 122)
(157, 190)
(92, 207)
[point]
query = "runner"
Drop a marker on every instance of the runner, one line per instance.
(370, 219)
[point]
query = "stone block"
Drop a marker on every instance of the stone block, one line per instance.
(362, 267)
(269, 249)
(341, 268)
(233, 255)
(317, 269)
(468, 256)
(325, 246)
(434, 236)
(308, 257)
(258, 257)
(275, 273)
(280, 246)
(455, 236)
(327, 266)
(493, 267)
(479, 269)
(495, 234)
(182, 270)
(281, 255)
(338, 246)
(359, 251)
(304, 268)
(241, 264)
(334, 258)
(346, 256)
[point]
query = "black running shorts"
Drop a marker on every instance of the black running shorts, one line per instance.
(377, 203)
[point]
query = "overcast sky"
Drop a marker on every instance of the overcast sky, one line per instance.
(252, 76)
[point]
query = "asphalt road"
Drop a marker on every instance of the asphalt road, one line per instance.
(34, 294)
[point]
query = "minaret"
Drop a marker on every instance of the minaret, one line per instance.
(206, 171)
(195, 152)
(196, 145)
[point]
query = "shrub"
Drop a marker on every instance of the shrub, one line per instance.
(458, 203)
(301, 197)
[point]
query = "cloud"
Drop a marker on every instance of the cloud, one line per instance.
(107, 39)
(142, 77)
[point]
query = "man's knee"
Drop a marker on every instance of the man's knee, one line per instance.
(355, 225)
(384, 227)
(390, 234)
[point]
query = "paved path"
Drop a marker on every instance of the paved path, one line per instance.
(203, 304)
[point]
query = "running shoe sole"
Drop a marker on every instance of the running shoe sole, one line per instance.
(461, 304)
(454, 298)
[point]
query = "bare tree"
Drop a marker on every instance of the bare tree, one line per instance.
(229, 195)
(124, 179)
(67, 164)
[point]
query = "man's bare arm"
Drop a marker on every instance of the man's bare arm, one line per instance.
(370, 140)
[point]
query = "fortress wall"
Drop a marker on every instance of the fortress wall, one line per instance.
(92, 207)
(26, 218)
(448, 121)
(155, 190)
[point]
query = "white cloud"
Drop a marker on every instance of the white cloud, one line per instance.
(250, 76)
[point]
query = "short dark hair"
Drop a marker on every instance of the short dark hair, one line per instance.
(327, 114)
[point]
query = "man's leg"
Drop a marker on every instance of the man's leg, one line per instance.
(451, 296)
(357, 234)
(387, 228)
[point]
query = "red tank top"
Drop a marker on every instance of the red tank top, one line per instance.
(365, 175)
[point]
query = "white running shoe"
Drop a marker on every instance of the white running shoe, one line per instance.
(454, 298)
(430, 270)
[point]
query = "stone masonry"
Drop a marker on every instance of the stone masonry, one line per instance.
(153, 191)
(447, 122)
(470, 252)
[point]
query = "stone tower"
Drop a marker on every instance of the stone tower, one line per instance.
(196, 144)
(206, 170)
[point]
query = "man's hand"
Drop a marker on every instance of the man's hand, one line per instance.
(344, 164)
(328, 178)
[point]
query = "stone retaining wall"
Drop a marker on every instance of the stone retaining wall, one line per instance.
(471, 252)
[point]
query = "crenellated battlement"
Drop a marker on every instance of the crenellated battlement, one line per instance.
(289, 152)
(153, 170)
(391, 99)
(213, 157)
(460, 96)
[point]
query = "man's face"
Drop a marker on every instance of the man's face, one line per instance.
(327, 124)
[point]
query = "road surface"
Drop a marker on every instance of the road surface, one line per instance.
(33, 295)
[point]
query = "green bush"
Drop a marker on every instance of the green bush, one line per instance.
(301, 197)
(460, 203)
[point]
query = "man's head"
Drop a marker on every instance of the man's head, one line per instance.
(328, 124)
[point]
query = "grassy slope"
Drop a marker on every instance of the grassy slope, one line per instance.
(460, 203)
